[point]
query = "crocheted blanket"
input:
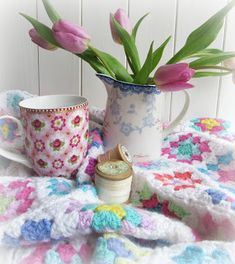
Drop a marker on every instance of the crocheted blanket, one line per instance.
(182, 207)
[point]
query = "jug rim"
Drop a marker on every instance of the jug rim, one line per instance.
(126, 86)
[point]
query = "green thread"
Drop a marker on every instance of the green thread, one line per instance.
(179, 211)
(145, 193)
(4, 203)
(114, 167)
(135, 202)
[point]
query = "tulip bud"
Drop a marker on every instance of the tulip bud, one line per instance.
(230, 64)
(71, 37)
(37, 39)
(174, 77)
(123, 20)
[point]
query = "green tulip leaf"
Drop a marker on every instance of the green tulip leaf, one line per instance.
(207, 74)
(157, 54)
(129, 46)
(44, 31)
(94, 62)
(143, 74)
(136, 27)
(114, 67)
(103, 60)
(203, 36)
(51, 12)
(205, 52)
(211, 59)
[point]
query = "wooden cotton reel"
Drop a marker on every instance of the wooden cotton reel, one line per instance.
(120, 152)
(113, 181)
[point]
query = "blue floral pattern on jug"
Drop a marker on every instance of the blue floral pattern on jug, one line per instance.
(129, 88)
(148, 120)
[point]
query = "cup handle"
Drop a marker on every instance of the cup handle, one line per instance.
(181, 115)
(11, 155)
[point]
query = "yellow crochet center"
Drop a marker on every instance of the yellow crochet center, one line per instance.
(116, 209)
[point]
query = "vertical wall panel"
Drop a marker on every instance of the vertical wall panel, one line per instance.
(203, 96)
(157, 26)
(95, 19)
(59, 70)
(18, 56)
(226, 105)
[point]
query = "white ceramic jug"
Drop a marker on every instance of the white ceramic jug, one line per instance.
(134, 117)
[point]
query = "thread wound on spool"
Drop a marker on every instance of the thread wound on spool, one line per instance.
(113, 181)
(114, 170)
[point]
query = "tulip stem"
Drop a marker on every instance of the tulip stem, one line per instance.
(129, 62)
(100, 57)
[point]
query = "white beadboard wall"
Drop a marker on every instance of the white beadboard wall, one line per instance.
(24, 66)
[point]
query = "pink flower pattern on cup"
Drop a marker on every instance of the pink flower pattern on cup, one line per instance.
(39, 145)
(57, 144)
(75, 141)
(73, 159)
(58, 164)
(76, 121)
(42, 163)
(56, 139)
(37, 124)
(58, 123)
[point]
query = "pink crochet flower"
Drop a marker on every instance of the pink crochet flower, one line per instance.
(24, 194)
(37, 255)
(84, 220)
(179, 180)
(188, 148)
(66, 252)
(85, 253)
(150, 203)
(18, 197)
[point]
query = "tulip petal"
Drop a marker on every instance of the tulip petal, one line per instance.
(71, 42)
(230, 63)
(68, 27)
(123, 20)
(114, 32)
(176, 86)
(233, 77)
(173, 72)
(37, 39)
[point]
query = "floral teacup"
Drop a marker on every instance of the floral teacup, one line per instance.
(55, 129)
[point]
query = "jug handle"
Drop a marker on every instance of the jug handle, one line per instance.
(11, 155)
(181, 115)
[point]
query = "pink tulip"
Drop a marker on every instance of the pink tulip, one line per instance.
(123, 20)
(37, 39)
(71, 37)
(173, 77)
(230, 64)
